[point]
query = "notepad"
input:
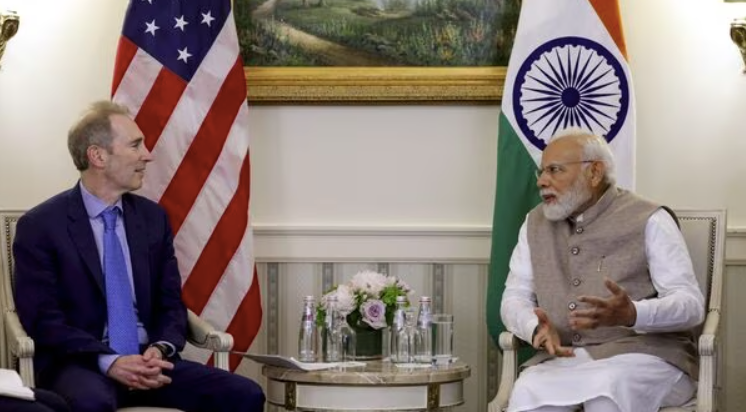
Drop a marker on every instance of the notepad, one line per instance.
(12, 386)
(292, 363)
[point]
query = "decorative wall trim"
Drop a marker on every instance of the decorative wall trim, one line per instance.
(383, 268)
(273, 308)
(395, 244)
(439, 288)
(385, 244)
(327, 277)
(735, 246)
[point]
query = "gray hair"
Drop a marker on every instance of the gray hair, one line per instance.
(594, 148)
(93, 129)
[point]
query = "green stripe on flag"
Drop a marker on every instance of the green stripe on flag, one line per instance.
(515, 196)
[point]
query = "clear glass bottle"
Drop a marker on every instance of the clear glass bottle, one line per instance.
(423, 341)
(347, 340)
(401, 343)
(330, 333)
(307, 341)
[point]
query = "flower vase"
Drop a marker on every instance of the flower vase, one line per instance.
(369, 344)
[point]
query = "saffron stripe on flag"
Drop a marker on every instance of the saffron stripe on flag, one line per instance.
(611, 17)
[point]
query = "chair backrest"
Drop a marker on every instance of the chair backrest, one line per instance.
(8, 220)
(704, 233)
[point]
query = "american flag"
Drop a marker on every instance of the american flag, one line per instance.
(179, 70)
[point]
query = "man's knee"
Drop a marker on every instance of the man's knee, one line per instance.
(51, 400)
(600, 404)
(244, 391)
(84, 390)
(93, 403)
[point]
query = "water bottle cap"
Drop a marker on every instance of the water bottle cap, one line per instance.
(425, 299)
(309, 299)
(400, 299)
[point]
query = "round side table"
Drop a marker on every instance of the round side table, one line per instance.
(378, 386)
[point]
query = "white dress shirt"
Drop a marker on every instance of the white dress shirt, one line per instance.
(679, 305)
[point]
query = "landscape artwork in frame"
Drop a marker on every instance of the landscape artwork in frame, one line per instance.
(375, 50)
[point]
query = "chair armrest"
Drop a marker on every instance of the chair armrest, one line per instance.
(21, 346)
(203, 335)
(708, 362)
(509, 345)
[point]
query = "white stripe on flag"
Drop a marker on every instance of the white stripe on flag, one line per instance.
(137, 81)
(191, 111)
(233, 286)
(214, 197)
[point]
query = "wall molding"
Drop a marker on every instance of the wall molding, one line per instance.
(395, 244)
(735, 246)
(399, 244)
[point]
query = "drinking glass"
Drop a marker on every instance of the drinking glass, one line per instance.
(442, 328)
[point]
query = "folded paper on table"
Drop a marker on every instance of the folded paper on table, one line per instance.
(292, 363)
(413, 365)
(12, 386)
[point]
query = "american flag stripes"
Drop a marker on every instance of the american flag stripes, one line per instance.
(179, 70)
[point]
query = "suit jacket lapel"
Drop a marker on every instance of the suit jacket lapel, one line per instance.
(137, 241)
(82, 235)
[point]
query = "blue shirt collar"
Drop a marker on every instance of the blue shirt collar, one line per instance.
(93, 205)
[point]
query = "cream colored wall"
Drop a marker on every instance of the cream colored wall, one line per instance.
(401, 167)
(691, 99)
(410, 165)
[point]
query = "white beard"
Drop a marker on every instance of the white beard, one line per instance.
(565, 205)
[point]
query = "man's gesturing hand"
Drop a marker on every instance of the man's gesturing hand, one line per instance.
(616, 310)
(546, 336)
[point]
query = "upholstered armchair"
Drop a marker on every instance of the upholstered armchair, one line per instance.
(17, 348)
(704, 233)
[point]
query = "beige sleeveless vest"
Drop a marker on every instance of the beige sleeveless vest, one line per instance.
(570, 259)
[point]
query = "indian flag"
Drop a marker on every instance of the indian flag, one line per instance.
(568, 68)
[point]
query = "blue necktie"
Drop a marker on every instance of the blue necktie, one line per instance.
(120, 308)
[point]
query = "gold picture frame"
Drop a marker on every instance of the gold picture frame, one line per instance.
(307, 85)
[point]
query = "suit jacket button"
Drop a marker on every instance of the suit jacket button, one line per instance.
(572, 306)
(576, 282)
(576, 337)
(579, 230)
(575, 250)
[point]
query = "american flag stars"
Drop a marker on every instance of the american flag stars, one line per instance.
(151, 27)
(184, 55)
(181, 23)
(207, 18)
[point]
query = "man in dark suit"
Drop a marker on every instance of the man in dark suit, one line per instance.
(65, 289)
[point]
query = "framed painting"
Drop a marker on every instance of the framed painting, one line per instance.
(375, 51)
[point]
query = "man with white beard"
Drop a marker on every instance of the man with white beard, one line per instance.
(601, 284)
